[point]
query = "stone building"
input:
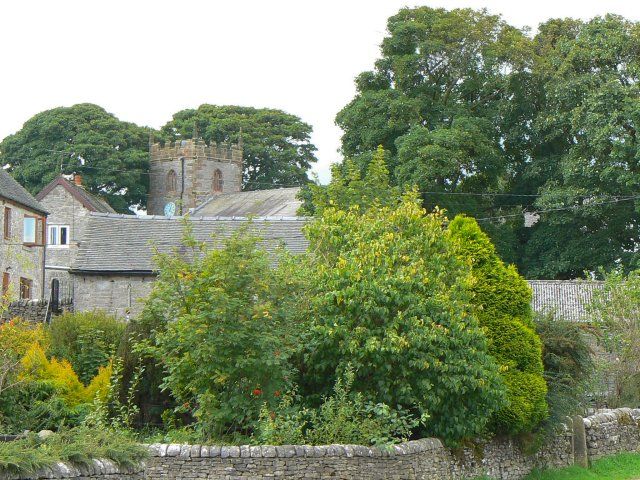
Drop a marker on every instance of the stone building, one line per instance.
(114, 269)
(69, 205)
(186, 173)
(22, 240)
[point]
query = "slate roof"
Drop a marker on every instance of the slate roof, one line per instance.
(12, 190)
(115, 243)
(263, 203)
(125, 243)
(91, 202)
(566, 299)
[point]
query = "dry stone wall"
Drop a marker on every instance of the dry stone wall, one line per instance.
(605, 433)
(95, 469)
(611, 432)
(421, 459)
(35, 311)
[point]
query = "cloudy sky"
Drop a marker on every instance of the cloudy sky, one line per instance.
(145, 60)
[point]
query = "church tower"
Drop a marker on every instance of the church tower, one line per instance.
(186, 173)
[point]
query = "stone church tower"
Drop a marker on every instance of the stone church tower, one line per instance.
(185, 174)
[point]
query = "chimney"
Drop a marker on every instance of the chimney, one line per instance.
(77, 179)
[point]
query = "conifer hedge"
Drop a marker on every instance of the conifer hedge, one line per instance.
(503, 302)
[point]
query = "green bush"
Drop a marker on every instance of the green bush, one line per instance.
(227, 329)
(502, 299)
(390, 298)
(78, 445)
(342, 418)
(40, 392)
(568, 366)
(86, 339)
(615, 309)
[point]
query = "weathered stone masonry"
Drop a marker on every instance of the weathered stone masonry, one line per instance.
(194, 164)
(605, 434)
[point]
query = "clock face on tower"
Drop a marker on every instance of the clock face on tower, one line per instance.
(170, 209)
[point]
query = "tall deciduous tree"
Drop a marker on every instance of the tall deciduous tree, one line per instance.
(111, 155)
(439, 101)
(586, 157)
(277, 145)
(491, 122)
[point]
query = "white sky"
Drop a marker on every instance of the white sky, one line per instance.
(144, 60)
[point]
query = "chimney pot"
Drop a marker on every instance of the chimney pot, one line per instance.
(77, 179)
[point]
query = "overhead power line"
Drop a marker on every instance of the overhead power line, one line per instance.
(558, 209)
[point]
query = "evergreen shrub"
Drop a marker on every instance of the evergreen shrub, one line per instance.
(503, 305)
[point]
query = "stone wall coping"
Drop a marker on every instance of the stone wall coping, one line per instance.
(93, 468)
(288, 451)
(611, 416)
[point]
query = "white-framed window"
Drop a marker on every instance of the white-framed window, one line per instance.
(58, 236)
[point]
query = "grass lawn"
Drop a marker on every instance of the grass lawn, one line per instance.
(625, 466)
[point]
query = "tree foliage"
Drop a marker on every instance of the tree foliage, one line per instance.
(277, 145)
(225, 331)
(586, 156)
(350, 186)
(503, 300)
(616, 310)
(115, 153)
(88, 340)
(568, 366)
(489, 121)
(389, 298)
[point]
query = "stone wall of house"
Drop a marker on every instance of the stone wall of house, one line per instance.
(200, 162)
(35, 311)
(502, 459)
(119, 295)
(65, 210)
(16, 258)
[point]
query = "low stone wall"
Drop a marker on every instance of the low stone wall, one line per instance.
(35, 311)
(612, 432)
(96, 470)
(605, 433)
(420, 459)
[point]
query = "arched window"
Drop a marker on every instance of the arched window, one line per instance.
(217, 181)
(172, 181)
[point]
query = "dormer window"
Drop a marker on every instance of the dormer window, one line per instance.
(172, 181)
(217, 181)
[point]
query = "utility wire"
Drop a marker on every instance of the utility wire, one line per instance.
(422, 192)
(572, 207)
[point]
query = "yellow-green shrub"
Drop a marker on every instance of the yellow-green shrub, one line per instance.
(527, 406)
(17, 336)
(99, 385)
(60, 375)
(88, 340)
(503, 301)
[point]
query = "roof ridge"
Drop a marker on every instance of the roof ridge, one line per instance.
(270, 218)
(564, 282)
